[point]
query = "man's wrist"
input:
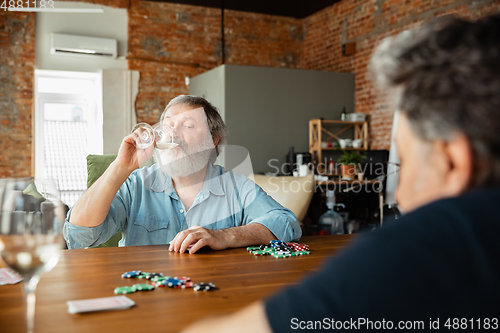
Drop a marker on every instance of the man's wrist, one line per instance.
(120, 170)
(229, 237)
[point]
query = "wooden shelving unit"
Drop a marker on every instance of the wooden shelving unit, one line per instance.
(317, 129)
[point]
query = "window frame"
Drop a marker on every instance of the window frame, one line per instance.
(95, 107)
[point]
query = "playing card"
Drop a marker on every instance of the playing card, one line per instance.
(9, 276)
(100, 304)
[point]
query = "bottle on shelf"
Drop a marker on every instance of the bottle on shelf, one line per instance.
(331, 222)
(331, 167)
(315, 163)
(343, 114)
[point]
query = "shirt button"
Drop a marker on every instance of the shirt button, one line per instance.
(182, 210)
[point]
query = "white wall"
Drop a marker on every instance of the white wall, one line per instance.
(119, 91)
(260, 105)
(110, 24)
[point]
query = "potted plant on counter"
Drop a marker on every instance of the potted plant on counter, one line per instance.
(349, 162)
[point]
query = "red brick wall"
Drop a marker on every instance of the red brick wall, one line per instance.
(368, 22)
(168, 42)
(17, 60)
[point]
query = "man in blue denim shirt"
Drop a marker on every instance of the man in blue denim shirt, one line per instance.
(184, 199)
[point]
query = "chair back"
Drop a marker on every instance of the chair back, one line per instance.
(294, 193)
(96, 165)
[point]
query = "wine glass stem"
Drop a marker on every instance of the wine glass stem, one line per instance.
(30, 293)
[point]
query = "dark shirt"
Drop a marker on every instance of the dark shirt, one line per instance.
(440, 261)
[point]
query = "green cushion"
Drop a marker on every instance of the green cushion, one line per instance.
(96, 165)
(31, 190)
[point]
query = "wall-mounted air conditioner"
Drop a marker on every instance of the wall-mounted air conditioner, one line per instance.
(82, 46)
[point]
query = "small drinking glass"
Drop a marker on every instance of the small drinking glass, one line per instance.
(164, 137)
(31, 221)
(162, 134)
(145, 133)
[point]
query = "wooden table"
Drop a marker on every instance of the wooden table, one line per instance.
(80, 274)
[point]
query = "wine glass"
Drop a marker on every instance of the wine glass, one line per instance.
(31, 240)
(146, 136)
(164, 137)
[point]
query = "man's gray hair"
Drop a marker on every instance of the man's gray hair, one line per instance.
(216, 125)
(447, 79)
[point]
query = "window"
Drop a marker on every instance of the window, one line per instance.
(68, 127)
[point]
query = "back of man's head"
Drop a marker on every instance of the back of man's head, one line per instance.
(447, 76)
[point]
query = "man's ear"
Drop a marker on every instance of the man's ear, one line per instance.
(460, 165)
(216, 141)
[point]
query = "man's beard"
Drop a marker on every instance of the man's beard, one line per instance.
(183, 161)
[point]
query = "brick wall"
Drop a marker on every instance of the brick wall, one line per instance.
(168, 42)
(367, 22)
(17, 60)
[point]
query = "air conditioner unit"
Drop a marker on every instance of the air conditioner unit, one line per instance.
(82, 46)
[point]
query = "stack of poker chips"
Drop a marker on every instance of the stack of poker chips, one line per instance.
(160, 280)
(204, 287)
(173, 282)
(280, 249)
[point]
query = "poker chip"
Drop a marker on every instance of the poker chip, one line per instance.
(283, 248)
(143, 287)
(149, 276)
(204, 287)
(185, 285)
(301, 253)
(265, 247)
(159, 278)
(183, 278)
(158, 284)
(142, 275)
(131, 274)
(124, 290)
(280, 253)
(172, 282)
(279, 256)
(253, 248)
(260, 253)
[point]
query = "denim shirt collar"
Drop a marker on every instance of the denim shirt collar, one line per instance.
(161, 182)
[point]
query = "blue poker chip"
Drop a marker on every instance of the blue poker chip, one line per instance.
(173, 282)
(131, 274)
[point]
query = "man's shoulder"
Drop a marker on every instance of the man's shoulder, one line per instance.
(454, 223)
(476, 207)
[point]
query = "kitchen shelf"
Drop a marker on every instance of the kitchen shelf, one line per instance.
(317, 130)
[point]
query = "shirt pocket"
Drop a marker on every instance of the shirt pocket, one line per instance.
(150, 230)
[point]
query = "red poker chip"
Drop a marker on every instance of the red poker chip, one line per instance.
(186, 285)
(183, 278)
(301, 247)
